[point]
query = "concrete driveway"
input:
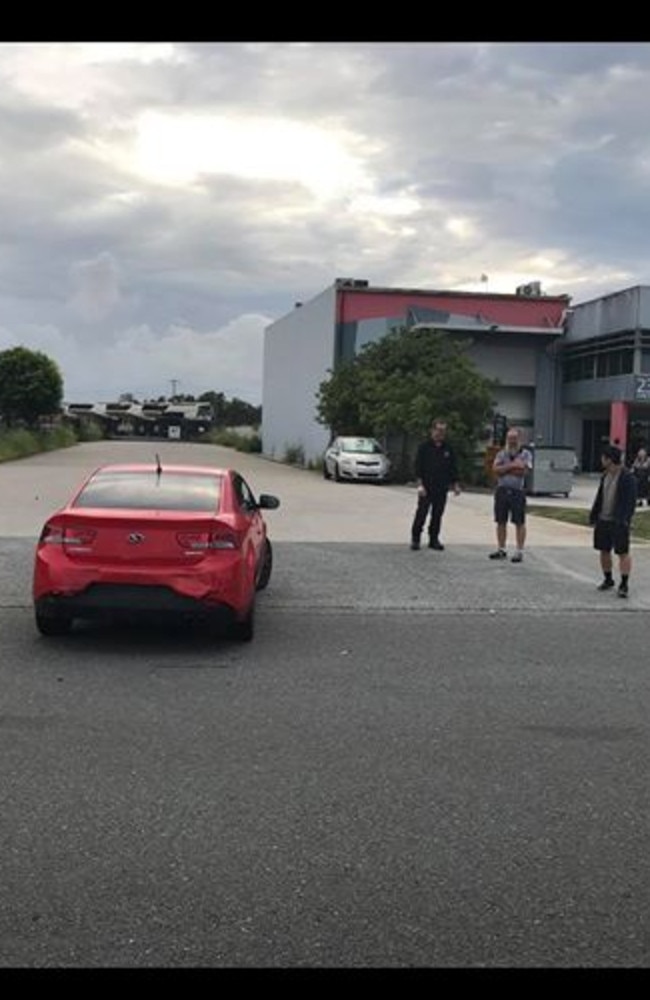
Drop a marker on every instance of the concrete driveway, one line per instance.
(357, 535)
(313, 509)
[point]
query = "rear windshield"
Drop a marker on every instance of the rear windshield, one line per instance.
(150, 491)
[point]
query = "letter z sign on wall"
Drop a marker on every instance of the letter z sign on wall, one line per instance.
(642, 387)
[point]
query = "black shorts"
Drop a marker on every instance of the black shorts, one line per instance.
(608, 535)
(509, 503)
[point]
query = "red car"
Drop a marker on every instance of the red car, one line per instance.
(155, 540)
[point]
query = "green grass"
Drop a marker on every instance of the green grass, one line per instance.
(251, 443)
(21, 443)
(573, 515)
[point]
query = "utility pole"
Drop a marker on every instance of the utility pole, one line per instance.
(174, 383)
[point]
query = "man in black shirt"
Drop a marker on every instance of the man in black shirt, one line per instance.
(436, 473)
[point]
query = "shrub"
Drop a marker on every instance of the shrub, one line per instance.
(231, 439)
(294, 454)
(89, 430)
(21, 443)
(57, 437)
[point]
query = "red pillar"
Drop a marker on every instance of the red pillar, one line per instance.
(618, 414)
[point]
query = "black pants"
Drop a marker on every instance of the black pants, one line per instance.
(434, 500)
(642, 485)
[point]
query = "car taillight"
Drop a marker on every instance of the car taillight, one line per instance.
(201, 541)
(54, 534)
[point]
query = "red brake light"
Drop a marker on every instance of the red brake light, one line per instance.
(76, 537)
(201, 541)
(51, 535)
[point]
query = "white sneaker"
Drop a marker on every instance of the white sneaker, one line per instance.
(517, 557)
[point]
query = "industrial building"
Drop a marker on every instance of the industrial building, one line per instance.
(572, 376)
(127, 418)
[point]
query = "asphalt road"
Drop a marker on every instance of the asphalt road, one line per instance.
(422, 760)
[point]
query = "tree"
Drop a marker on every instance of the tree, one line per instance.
(395, 386)
(339, 400)
(218, 402)
(31, 386)
(238, 413)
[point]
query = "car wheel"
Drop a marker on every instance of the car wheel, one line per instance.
(53, 624)
(326, 473)
(267, 566)
(337, 474)
(245, 629)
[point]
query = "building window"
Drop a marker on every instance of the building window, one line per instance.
(579, 369)
(619, 362)
(605, 365)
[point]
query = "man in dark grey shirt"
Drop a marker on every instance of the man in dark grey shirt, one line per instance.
(510, 467)
(611, 515)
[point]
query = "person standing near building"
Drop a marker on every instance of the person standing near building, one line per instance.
(436, 473)
(641, 470)
(510, 467)
(611, 515)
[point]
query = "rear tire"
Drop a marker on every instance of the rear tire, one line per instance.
(245, 629)
(50, 625)
(267, 566)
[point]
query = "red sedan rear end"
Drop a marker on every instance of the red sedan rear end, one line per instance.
(143, 540)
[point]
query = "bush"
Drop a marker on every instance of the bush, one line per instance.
(22, 443)
(16, 444)
(251, 443)
(89, 430)
(294, 454)
(58, 437)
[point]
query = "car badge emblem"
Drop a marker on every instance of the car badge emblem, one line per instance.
(135, 538)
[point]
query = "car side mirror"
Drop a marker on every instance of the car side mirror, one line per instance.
(268, 502)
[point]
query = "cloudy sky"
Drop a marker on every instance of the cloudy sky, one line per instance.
(161, 203)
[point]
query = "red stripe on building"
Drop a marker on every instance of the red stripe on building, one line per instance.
(515, 310)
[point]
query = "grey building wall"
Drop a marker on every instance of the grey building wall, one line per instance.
(570, 430)
(618, 388)
(508, 358)
(517, 403)
(644, 307)
(298, 351)
(547, 396)
(611, 314)
(528, 375)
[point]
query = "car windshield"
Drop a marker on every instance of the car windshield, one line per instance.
(365, 446)
(150, 491)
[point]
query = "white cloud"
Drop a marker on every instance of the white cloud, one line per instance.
(177, 149)
(143, 182)
(144, 361)
(97, 289)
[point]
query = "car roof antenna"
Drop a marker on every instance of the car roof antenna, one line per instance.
(158, 465)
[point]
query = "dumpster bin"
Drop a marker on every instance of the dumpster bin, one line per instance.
(553, 470)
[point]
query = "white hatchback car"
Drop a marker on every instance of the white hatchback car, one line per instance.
(358, 458)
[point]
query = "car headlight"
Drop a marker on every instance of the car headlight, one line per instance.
(347, 461)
